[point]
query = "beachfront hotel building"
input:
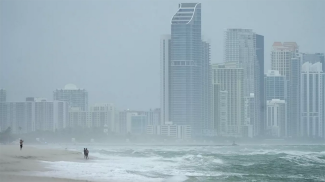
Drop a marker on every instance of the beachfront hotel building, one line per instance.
(34, 114)
(246, 48)
(73, 95)
(276, 120)
(229, 77)
(312, 100)
(185, 65)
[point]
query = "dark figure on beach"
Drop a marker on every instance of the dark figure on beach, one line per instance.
(86, 153)
(21, 144)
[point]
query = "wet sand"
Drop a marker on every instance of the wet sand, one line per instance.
(18, 165)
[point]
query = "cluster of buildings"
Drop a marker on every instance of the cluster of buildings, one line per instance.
(236, 98)
(69, 109)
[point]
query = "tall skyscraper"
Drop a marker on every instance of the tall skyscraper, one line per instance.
(3, 95)
(74, 96)
(247, 49)
(185, 62)
(285, 58)
(229, 77)
(312, 100)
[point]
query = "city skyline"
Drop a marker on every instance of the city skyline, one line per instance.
(102, 61)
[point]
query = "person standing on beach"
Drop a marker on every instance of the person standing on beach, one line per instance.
(21, 144)
(84, 153)
(87, 152)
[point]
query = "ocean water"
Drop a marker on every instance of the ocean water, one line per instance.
(196, 163)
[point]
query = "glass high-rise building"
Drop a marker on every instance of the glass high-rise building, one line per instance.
(185, 66)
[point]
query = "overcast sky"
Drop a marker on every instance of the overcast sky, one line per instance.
(111, 48)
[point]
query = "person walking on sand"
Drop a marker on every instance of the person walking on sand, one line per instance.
(84, 153)
(87, 152)
(21, 144)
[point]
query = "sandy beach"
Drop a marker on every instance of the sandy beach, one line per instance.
(16, 164)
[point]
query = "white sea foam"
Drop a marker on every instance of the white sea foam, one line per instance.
(166, 164)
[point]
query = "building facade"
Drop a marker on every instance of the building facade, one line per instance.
(33, 115)
(164, 77)
(276, 120)
(185, 65)
(170, 130)
(312, 100)
(285, 58)
(275, 85)
(74, 96)
(247, 49)
(230, 77)
(98, 116)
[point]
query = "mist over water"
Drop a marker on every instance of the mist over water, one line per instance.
(197, 163)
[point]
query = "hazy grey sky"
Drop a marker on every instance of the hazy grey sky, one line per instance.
(111, 48)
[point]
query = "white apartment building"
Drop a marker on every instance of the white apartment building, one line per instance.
(246, 48)
(312, 100)
(34, 114)
(170, 130)
(99, 115)
(229, 77)
(276, 118)
(73, 95)
(281, 56)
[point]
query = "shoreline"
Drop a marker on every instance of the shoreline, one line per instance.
(17, 166)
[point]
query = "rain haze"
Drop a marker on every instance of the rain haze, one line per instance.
(162, 90)
(111, 48)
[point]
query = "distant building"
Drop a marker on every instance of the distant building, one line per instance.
(3, 95)
(34, 114)
(275, 85)
(281, 56)
(164, 77)
(313, 58)
(220, 109)
(285, 58)
(170, 130)
(154, 116)
(246, 48)
(312, 100)
(185, 72)
(276, 118)
(74, 96)
(139, 124)
(229, 77)
(99, 116)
